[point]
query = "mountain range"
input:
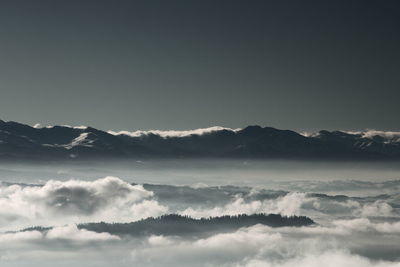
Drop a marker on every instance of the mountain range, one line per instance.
(21, 141)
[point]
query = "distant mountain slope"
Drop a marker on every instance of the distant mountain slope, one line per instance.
(19, 141)
(178, 225)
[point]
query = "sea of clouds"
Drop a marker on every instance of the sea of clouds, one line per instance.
(350, 230)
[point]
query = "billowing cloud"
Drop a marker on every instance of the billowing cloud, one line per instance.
(378, 208)
(56, 202)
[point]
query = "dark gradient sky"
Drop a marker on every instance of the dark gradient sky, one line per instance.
(302, 65)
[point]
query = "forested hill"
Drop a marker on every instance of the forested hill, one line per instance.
(178, 225)
(182, 225)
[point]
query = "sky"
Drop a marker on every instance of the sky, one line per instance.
(128, 65)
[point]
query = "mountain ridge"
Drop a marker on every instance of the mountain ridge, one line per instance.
(21, 141)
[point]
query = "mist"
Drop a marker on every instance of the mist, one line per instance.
(269, 173)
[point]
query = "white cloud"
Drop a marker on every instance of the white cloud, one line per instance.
(173, 133)
(365, 225)
(39, 126)
(348, 227)
(257, 246)
(62, 233)
(332, 258)
(71, 232)
(160, 241)
(254, 236)
(378, 208)
(20, 236)
(388, 135)
(56, 202)
(290, 204)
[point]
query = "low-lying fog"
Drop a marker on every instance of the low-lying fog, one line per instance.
(356, 208)
(207, 172)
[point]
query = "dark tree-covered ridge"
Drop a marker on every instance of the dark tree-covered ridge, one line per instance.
(178, 225)
(174, 224)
